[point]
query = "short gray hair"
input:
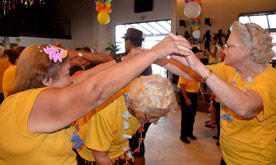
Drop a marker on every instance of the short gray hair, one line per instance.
(257, 38)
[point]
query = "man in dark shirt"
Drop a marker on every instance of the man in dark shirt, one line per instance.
(133, 39)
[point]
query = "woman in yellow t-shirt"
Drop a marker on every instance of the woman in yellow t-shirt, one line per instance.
(245, 85)
(34, 120)
(105, 134)
(9, 74)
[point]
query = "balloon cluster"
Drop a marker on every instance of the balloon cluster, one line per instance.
(103, 7)
(192, 10)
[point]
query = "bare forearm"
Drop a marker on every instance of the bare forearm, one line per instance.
(243, 103)
(116, 77)
(88, 73)
(101, 157)
(95, 58)
(104, 161)
(179, 69)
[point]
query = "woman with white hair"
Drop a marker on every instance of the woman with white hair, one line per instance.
(246, 86)
(105, 134)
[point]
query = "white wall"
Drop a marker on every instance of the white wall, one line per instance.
(223, 12)
(85, 29)
(27, 41)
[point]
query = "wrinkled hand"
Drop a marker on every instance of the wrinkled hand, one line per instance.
(188, 58)
(170, 45)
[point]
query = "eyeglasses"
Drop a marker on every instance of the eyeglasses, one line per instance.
(226, 46)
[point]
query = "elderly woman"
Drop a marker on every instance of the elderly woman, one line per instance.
(245, 84)
(34, 121)
(106, 133)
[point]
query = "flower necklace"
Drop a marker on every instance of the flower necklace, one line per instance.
(245, 87)
(126, 126)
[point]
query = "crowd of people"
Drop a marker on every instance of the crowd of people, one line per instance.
(62, 106)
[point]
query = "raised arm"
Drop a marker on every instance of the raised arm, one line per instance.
(56, 108)
(95, 58)
(90, 72)
(247, 104)
(179, 69)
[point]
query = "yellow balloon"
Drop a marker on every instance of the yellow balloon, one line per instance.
(108, 4)
(103, 17)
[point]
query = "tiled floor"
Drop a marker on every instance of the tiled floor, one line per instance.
(163, 146)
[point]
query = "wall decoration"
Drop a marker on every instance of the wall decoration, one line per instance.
(103, 7)
(7, 5)
(192, 10)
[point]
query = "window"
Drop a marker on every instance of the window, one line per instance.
(153, 32)
(266, 21)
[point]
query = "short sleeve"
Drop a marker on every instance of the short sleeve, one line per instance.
(99, 133)
(220, 69)
(181, 80)
(265, 86)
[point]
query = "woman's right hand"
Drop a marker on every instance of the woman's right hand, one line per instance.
(188, 58)
(170, 46)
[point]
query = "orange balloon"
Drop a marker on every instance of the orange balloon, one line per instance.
(103, 17)
(108, 9)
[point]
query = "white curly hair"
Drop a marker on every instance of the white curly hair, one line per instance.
(257, 38)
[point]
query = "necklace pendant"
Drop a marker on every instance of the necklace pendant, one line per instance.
(126, 125)
(127, 136)
(233, 82)
(129, 154)
(250, 80)
(126, 115)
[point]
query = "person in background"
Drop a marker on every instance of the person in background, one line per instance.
(4, 64)
(214, 53)
(79, 64)
(133, 39)
(188, 97)
(9, 74)
(206, 40)
(219, 36)
(52, 100)
(245, 85)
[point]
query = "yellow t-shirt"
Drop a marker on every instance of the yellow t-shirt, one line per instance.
(190, 86)
(103, 130)
(8, 79)
(19, 146)
(4, 64)
(249, 141)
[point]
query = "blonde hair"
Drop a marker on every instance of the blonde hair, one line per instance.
(33, 67)
(257, 38)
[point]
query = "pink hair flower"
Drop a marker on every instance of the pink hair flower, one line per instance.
(56, 54)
